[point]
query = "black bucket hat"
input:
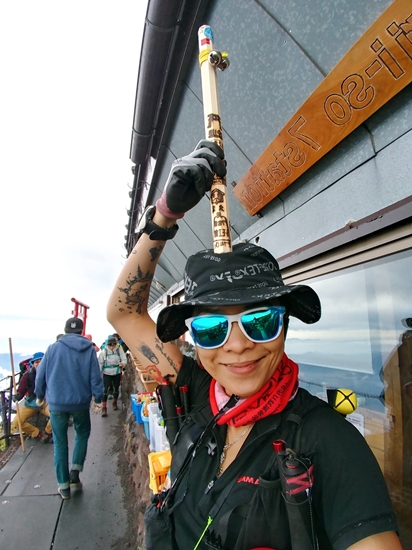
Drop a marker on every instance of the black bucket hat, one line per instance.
(247, 275)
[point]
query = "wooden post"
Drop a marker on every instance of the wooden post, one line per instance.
(209, 60)
(15, 391)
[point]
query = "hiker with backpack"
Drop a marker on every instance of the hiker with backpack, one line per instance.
(112, 361)
(247, 427)
(24, 367)
(30, 408)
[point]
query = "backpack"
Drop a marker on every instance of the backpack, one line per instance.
(296, 484)
(157, 520)
(30, 400)
(106, 366)
(24, 367)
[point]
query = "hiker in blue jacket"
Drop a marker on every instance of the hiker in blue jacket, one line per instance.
(69, 376)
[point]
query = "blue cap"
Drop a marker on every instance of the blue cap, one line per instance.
(38, 355)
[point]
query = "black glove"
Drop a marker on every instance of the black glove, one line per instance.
(190, 178)
(15, 398)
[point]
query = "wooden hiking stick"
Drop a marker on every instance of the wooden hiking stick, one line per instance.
(210, 60)
(15, 392)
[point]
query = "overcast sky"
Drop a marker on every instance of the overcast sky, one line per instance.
(68, 74)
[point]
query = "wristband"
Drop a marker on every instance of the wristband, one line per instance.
(161, 205)
(155, 232)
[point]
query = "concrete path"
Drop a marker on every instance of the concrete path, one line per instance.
(34, 516)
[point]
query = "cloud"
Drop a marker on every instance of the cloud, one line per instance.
(66, 114)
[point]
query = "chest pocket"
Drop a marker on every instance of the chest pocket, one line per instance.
(264, 520)
(106, 366)
(257, 515)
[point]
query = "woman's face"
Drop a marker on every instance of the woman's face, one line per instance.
(241, 366)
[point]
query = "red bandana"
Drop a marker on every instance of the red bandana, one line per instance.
(272, 398)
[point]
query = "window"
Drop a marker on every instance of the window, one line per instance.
(363, 342)
(364, 313)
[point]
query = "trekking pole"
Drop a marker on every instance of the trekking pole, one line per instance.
(296, 478)
(166, 397)
(184, 397)
(15, 392)
(209, 61)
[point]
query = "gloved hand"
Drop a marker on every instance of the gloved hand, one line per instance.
(40, 402)
(189, 179)
(15, 398)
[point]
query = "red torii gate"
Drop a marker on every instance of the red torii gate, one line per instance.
(80, 311)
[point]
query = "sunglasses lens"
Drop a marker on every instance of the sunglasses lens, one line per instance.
(262, 326)
(209, 332)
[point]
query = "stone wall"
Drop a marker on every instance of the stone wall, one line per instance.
(136, 449)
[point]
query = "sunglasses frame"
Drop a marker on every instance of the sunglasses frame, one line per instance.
(238, 319)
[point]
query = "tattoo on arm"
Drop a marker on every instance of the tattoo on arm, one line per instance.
(154, 373)
(154, 360)
(155, 253)
(160, 347)
(136, 297)
(152, 369)
(148, 353)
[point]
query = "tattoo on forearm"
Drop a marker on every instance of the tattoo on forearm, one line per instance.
(148, 353)
(154, 373)
(136, 297)
(152, 369)
(155, 253)
(160, 347)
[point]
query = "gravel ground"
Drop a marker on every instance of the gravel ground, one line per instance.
(7, 453)
(129, 499)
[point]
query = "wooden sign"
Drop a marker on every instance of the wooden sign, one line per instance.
(373, 71)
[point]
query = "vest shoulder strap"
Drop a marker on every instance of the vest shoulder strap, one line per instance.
(301, 413)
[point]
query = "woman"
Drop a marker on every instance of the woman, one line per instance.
(112, 360)
(244, 394)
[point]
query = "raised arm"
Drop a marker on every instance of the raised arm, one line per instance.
(190, 177)
(127, 307)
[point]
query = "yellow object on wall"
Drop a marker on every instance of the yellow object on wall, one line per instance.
(159, 466)
(342, 400)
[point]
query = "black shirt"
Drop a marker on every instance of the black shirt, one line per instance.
(350, 497)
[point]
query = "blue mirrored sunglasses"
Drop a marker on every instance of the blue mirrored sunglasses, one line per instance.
(259, 325)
